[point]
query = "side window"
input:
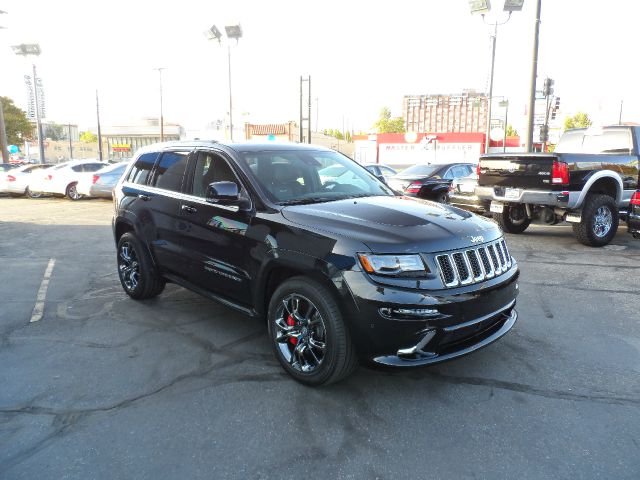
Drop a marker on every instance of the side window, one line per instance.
(93, 167)
(77, 168)
(171, 170)
(211, 168)
(142, 168)
(448, 175)
(387, 171)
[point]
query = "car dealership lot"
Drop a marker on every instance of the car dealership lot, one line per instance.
(181, 387)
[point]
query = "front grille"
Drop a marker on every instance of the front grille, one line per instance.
(473, 265)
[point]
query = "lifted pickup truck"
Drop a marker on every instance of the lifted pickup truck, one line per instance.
(588, 180)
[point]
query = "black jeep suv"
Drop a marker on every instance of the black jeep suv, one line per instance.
(342, 269)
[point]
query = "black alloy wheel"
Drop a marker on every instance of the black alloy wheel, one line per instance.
(135, 269)
(308, 334)
(442, 198)
(513, 219)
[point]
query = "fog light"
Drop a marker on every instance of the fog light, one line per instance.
(409, 313)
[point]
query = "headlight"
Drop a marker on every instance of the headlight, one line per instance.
(393, 265)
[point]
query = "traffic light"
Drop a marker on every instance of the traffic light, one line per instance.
(547, 89)
(555, 108)
(544, 133)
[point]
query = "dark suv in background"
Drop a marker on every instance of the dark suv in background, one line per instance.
(342, 269)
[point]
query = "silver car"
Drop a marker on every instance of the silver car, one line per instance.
(102, 182)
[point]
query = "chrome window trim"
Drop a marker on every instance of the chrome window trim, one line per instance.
(181, 196)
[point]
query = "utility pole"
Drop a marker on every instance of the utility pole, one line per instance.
(620, 116)
(490, 99)
(99, 132)
(70, 144)
(160, 69)
(3, 137)
(534, 74)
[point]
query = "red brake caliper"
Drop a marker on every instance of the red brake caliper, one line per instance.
(291, 323)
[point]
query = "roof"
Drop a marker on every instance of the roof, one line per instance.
(238, 147)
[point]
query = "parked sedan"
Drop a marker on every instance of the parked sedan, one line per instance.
(63, 178)
(16, 180)
(101, 183)
(430, 182)
(462, 194)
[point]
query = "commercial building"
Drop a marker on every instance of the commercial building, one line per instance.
(122, 141)
(450, 113)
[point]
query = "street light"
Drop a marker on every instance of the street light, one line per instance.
(33, 49)
(482, 7)
(233, 32)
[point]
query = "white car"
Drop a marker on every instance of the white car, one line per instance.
(63, 178)
(16, 181)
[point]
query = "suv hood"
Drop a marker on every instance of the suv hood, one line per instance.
(396, 224)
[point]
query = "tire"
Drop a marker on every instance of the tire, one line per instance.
(136, 271)
(513, 219)
(310, 340)
(31, 194)
(599, 222)
(442, 198)
(72, 192)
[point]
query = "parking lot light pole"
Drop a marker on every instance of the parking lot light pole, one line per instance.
(532, 87)
(482, 7)
(233, 32)
(34, 49)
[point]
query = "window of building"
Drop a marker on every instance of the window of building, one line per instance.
(142, 168)
(171, 170)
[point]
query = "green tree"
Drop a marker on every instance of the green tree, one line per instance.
(338, 135)
(347, 136)
(16, 123)
(88, 137)
(386, 124)
(511, 132)
(579, 120)
(54, 131)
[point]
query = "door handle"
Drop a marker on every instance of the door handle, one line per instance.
(144, 197)
(189, 209)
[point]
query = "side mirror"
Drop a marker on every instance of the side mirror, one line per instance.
(224, 193)
(227, 193)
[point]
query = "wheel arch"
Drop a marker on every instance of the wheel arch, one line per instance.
(604, 182)
(122, 226)
(279, 270)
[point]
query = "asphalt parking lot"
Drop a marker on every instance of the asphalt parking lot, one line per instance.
(105, 387)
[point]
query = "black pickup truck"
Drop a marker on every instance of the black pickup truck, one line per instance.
(588, 180)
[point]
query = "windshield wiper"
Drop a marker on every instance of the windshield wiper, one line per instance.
(306, 201)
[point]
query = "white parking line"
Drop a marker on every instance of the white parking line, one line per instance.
(38, 310)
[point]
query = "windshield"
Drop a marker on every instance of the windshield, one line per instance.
(426, 170)
(615, 140)
(296, 177)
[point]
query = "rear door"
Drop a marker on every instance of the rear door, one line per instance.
(163, 206)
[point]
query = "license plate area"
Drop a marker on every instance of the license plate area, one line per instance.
(512, 193)
(496, 207)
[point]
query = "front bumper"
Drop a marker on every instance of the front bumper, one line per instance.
(465, 319)
(533, 197)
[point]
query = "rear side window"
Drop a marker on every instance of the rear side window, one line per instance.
(77, 168)
(171, 170)
(142, 168)
(93, 167)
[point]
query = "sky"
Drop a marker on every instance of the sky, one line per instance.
(361, 56)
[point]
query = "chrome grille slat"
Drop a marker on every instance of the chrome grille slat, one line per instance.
(473, 265)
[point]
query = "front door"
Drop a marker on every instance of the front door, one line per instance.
(215, 236)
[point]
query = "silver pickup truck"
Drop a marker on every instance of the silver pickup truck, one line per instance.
(588, 180)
